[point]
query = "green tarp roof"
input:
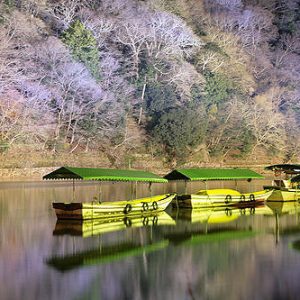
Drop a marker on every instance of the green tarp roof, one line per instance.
(103, 175)
(204, 174)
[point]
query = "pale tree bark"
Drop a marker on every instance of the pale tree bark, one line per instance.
(266, 125)
(132, 36)
(168, 35)
(75, 96)
(65, 12)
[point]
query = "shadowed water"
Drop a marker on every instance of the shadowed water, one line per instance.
(182, 254)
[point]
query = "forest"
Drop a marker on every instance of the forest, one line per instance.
(177, 81)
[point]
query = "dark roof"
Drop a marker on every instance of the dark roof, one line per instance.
(103, 175)
(204, 174)
(286, 168)
(296, 178)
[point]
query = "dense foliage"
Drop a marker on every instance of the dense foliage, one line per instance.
(123, 76)
(83, 46)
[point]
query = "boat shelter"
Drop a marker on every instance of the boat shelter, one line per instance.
(296, 179)
(204, 174)
(110, 175)
(104, 175)
(285, 168)
(211, 174)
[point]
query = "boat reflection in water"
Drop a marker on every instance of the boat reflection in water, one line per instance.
(284, 207)
(103, 254)
(279, 210)
(199, 226)
(92, 227)
(219, 214)
(137, 245)
(215, 223)
(214, 220)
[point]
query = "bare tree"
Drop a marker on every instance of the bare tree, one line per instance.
(64, 12)
(224, 4)
(254, 25)
(184, 76)
(11, 118)
(162, 35)
(84, 110)
(101, 27)
(169, 36)
(226, 129)
(10, 73)
(133, 36)
(117, 7)
(24, 119)
(266, 125)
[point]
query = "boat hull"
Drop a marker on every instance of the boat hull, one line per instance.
(199, 201)
(279, 195)
(91, 210)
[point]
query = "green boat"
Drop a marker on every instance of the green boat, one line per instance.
(99, 209)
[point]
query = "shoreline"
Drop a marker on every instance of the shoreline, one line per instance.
(36, 174)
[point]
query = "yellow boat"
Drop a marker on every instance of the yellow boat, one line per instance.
(285, 185)
(99, 209)
(221, 197)
(91, 210)
(215, 197)
(280, 195)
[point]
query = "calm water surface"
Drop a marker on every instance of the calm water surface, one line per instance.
(203, 254)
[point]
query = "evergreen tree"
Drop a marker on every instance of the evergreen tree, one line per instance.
(180, 130)
(217, 89)
(159, 98)
(83, 46)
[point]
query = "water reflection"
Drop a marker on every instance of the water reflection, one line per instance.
(205, 254)
(279, 209)
(103, 254)
(92, 227)
(213, 214)
(108, 253)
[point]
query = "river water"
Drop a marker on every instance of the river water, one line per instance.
(203, 254)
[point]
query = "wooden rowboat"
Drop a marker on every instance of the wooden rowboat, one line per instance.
(220, 197)
(91, 210)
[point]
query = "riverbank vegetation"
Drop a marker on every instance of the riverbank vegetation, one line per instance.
(178, 81)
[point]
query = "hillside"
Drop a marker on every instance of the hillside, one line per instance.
(137, 83)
